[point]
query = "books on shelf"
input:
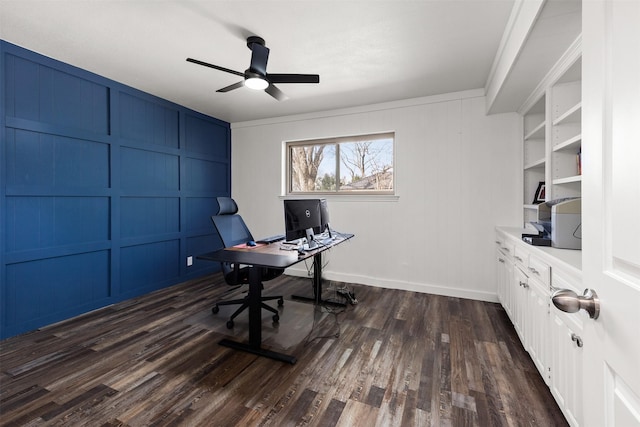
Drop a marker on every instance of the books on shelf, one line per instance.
(579, 161)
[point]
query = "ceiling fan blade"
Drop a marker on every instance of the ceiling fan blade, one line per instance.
(276, 93)
(259, 58)
(232, 87)
(293, 78)
(206, 64)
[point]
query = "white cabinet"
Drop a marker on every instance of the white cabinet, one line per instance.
(538, 302)
(526, 277)
(566, 357)
(504, 273)
(531, 283)
(520, 304)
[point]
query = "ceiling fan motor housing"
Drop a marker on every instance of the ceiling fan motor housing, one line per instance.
(254, 39)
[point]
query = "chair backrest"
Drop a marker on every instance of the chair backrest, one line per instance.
(226, 206)
(233, 231)
(229, 224)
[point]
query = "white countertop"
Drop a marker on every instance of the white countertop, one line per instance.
(568, 259)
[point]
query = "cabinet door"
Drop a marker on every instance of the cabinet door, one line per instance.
(566, 367)
(521, 309)
(538, 327)
(508, 289)
(504, 274)
(500, 277)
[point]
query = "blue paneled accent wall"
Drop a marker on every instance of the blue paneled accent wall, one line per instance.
(104, 190)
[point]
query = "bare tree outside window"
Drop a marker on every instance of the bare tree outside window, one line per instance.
(368, 164)
(362, 164)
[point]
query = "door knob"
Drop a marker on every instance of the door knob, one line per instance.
(570, 302)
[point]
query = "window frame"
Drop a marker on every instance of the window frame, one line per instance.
(337, 141)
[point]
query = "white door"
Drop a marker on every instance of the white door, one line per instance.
(611, 210)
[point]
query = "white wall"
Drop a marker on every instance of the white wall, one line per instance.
(458, 174)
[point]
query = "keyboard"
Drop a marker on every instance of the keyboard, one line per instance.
(271, 239)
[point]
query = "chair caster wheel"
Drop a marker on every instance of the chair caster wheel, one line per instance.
(276, 318)
(230, 324)
(280, 302)
(215, 309)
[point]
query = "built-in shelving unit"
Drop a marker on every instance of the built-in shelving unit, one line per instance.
(552, 135)
(566, 133)
(535, 159)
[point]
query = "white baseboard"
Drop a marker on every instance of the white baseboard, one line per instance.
(401, 285)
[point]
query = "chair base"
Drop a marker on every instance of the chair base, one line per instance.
(244, 304)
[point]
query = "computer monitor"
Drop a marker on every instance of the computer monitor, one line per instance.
(324, 218)
(301, 217)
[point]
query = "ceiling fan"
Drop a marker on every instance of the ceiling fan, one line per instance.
(256, 76)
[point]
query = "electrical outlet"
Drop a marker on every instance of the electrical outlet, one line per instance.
(189, 261)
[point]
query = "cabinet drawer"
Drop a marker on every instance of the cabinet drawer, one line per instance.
(521, 256)
(505, 246)
(540, 270)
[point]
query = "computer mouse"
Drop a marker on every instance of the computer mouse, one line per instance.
(251, 243)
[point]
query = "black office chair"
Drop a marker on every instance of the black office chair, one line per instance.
(234, 231)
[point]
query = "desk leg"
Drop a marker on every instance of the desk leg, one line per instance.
(255, 323)
(317, 285)
(317, 278)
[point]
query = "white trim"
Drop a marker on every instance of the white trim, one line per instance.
(523, 17)
(412, 102)
(506, 36)
(424, 288)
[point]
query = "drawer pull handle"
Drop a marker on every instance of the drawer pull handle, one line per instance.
(576, 339)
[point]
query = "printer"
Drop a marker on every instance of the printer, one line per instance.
(559, 224)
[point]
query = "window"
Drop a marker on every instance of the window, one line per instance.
(364, 164)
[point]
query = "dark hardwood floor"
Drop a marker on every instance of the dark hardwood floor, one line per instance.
(401, 359)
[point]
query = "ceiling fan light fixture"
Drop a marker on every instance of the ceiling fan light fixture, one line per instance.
(255, 81)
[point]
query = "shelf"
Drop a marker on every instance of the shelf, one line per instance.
(572, 115)
(535, 164)
(536, 133)
(568, 180)
(532, 207)
(569, 144)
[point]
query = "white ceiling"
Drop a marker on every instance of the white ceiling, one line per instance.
(364, 51)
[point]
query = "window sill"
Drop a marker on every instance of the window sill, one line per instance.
(345, 197)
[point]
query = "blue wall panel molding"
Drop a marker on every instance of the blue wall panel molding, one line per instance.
(104, 190)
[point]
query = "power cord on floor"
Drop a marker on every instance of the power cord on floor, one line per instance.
(337, 292)
(318, 310)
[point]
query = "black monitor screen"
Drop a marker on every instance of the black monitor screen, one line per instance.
(301, 215)
(324, 217)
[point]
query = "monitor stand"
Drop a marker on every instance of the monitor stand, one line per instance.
(311, 243)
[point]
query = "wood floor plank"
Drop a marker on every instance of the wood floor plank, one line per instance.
(399, 358)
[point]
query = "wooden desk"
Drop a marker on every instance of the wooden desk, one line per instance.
(270, 256)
